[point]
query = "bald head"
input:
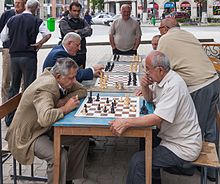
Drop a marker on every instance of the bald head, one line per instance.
(166, 24)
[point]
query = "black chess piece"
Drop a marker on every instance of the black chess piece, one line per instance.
(129, 79)
(111, 67)
(112, 108)
(105, 109)
(144, 109)
(134, 79)
(90, 97)
(99, 107)
(85, 108)
(97, 98)
(107, 101)
(115, 103)
(118, 56)
(106, 68)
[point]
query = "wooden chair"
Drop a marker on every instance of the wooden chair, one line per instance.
(208, 157)
(5, 109)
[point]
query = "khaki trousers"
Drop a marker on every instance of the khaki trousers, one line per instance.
(73, 158)
(5, 74)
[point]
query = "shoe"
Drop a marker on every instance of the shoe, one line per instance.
(69, 182)
(211, 179)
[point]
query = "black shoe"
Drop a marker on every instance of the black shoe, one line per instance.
(212, 179)
(69, 182)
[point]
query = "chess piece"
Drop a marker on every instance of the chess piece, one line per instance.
(144, 109)
(97, 97)
(120, 85)
(127, 101)
(111, 67)
(134, 79)
(115, 103)
(105, 109)
(115, 57)
(129, 79)
(112, 108)
(131, 67)
(99, 107)
(116, 85)
(107, 101)
(133, 108)
(90, 97)
(118, 56)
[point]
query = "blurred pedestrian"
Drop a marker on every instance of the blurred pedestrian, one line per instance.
(88, 17)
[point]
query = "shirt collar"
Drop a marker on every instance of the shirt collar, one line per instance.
(28, 12)
(166, 78)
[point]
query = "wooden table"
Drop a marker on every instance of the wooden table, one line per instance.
(77, 126)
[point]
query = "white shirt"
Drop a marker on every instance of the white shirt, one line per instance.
(180, 131)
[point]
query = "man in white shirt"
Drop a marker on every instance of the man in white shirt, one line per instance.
(175, 116)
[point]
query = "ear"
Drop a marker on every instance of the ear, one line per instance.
(58, 77)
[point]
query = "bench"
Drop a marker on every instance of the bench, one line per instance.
(5, 109)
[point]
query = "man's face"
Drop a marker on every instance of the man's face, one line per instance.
(19, 6)
(73, 47)
(75, 11)
(154, 43)
(125, 12)
(153, 73)
(67, 81)
(163, 29)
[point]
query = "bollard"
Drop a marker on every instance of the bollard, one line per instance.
(51, 24)
(153, 20)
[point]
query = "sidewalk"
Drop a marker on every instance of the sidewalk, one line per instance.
(108, 161)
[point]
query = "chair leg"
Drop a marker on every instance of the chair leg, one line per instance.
(32, 170)
(14, 170)
(20, 169)
(216, 176)
(205, 175)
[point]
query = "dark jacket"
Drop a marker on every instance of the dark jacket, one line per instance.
(59, 52)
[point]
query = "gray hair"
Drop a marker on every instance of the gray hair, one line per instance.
(71, 36)
(32, 4)
(63, 65)
(160, 59)
(156, 37)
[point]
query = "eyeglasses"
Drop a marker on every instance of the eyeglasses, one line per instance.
(161, 27)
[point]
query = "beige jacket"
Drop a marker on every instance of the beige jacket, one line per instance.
(35, 114)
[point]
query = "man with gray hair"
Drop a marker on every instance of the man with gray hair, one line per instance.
(41, 105)
(125, 33)
(175, 116)
(22, 31)
(190, 61)
(69, 47)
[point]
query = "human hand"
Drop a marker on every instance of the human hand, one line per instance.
(118, 126)
(36, 46)
(71, 104)
(98, 69)
(138, 92)
(146, 80)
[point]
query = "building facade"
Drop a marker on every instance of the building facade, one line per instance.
(157, 7)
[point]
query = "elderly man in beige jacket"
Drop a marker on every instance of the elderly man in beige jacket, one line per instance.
(30, 133)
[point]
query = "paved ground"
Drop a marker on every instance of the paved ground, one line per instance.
(108, 161)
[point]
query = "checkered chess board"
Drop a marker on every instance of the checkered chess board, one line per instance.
(112, 79)
(125, 68)
(121, 109)
(127, 58)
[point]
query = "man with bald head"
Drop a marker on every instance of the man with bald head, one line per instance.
(125, 33)
(190, 61)
(175, 116)
(69, 47)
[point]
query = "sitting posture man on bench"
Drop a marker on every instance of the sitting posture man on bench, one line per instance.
(175, 116)
(42, 104)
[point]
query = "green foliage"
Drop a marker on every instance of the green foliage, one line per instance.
(181, 20)
(99, 4)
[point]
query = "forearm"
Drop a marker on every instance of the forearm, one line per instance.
(112, 42)
(44, 39)
(147, 93)
(137, 43)
(144, 121)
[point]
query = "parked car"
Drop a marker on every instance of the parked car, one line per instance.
(178, 15)
(108, 21)
(100, 18)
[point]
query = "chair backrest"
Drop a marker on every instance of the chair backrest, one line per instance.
(10, 105)
(6, 108)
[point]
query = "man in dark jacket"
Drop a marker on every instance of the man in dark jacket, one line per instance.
(69, 47)
(73, 23)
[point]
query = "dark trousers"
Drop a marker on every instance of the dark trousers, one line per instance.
(162, 158)
(129, 52)
(21, 66)
(205, 101)
(80, 59)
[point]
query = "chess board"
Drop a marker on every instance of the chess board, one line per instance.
(121, 110)
(112, 79)
(124, 68)
(127, 58)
